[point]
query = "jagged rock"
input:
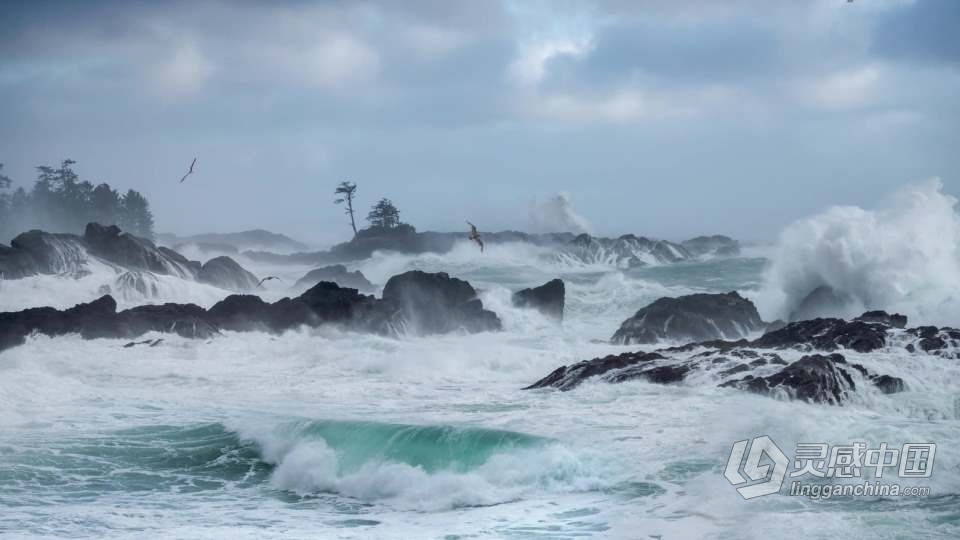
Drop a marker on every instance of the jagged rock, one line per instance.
(695, 317)
(569, 377)
(816, 378)
(627, 251)
(38, 252)
(187, 320)
(716, 245)
(775, 325)
(547, 298)
(888, 384)
(827, 335)
(425, 303)
(129, 251)
(895, 320)
(338, 274)
(225, 273)
(414, 302)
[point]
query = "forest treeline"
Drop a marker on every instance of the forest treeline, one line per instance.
(60, 201)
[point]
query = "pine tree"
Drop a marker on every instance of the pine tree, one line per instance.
(384, 215)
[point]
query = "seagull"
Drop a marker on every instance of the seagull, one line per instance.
(475, 236)
(268, 278)
(194, 162)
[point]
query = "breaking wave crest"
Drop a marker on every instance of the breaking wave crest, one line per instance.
(904, 256)
(417, 467)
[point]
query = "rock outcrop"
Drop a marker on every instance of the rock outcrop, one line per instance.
(413, 302)
(226, 273)
(823, 376)
(547, 298)
(695, 317)
(134, 258)
(338, 274)
(712, 246)
(423, 303)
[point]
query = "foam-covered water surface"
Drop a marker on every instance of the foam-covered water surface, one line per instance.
(332, 434)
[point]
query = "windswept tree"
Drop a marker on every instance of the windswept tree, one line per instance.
(346, 191)
(384, 215)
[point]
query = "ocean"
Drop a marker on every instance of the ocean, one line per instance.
(324, 433)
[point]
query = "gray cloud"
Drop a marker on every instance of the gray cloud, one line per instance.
(646, 112)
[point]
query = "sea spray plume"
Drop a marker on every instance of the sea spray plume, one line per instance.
(902, 257)
(556, 214)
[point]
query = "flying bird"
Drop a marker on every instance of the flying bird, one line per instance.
(475, 236)
(268, 278)
(192, 163)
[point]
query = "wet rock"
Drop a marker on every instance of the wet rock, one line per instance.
(226, 273)
(716, 245)
(826, 335)
(894, 321)
(547, 298)
(820, 302)
(338, 274)
(888, 384)
(816, 378)
(569, 377)
(417, 301)
(430, 303)
(692, 318)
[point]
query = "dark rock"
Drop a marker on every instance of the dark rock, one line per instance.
(695, 317)
(423, 303)
(924, 332)
(627, 251)
(820, 302)
(668, 374)
(187, 320)
(739, 368)
(932, 344)
(547, 298)
(129, 251)
(338, 274)
(225, 273)
(888, 384)
(775, 325)
(815, 378)
(716, 245)
(826, 335)
(569, 377)
(894, 321)
(38, 252)
(416, 302)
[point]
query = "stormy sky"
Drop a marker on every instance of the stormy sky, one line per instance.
(663, 118)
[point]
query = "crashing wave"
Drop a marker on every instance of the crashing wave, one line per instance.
(904, 256)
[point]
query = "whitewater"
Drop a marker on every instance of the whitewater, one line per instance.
(325, 433)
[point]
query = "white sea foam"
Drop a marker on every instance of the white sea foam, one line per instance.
(903, 256)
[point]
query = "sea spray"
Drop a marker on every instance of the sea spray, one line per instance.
(904, 256)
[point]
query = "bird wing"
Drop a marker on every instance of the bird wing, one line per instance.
(192, 163)
(184, 177)
(479, 241)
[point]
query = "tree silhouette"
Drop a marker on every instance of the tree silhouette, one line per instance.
(384, 215)
(61, 202)
(347, 190)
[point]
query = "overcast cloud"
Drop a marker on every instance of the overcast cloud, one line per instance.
(662, 118)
